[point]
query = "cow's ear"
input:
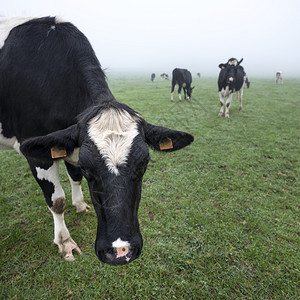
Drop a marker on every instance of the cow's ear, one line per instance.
(165, 139)
(55, 145)
(222, 66)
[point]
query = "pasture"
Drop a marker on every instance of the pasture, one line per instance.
(220, 218)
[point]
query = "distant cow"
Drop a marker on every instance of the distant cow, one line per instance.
(164, 76)
(231, 79)
(183, 78)
(278, 78)
(199, 75)
(55, 104)
(152, 77)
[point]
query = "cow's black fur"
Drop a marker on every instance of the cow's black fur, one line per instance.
(183, 78)
(51, 86)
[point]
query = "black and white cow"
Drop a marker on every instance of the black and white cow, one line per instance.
(278, 78)
(152, 77)
(183, 78)
(55, 104)
(164, 76)
(231, 79)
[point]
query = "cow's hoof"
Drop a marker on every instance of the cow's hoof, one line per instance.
(227, 116)
(83, 208)
(172, 101)
(66, 247)
(220, 114)
(240, 109)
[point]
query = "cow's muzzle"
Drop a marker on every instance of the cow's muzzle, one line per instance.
(110, 256)
(118, 255)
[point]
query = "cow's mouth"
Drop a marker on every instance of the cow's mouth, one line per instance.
(113, 257)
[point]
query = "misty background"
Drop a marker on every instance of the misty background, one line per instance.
(157, 36)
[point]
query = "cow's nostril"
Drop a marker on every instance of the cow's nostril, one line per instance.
(122, 251)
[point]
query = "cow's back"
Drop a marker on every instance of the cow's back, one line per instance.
(182, 76)
(48, 75)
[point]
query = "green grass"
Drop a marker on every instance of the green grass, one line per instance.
(220, 218)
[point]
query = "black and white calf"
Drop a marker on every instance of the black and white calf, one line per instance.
(278, 78)
(231, 79)
(183, 78)
(55, 104)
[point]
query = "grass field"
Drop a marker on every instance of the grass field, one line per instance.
(220, 219)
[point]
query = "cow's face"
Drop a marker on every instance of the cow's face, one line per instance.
(227, 73)
(189, 92)
(113, 156)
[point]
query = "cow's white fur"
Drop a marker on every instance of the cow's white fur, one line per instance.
(77, 195)
(52, 175)
(120, 243)
(233, 62)
(61, 232)
(113, 133)
(8, 143)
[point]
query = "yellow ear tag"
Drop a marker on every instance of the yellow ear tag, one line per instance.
(58, 153)
(166, 144)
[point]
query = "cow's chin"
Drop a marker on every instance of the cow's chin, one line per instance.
(119, 252)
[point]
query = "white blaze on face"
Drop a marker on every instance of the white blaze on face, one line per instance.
(113, 133)
(233, 62)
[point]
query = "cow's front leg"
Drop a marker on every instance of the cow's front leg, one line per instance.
(62, 237)
(228, 105)
(75, 177)
(222, 104)
(172, 91)
(47, 176)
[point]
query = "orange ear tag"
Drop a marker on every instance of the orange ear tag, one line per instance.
(58, 153)
(166, 144)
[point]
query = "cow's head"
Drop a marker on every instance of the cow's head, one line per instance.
(189, 92)
(229, 70)
(113, 155)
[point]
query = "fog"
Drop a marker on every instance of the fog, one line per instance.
(157, 36)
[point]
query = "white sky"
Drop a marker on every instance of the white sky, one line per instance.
(159, 35)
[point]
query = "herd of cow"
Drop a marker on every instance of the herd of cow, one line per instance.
(232, 78)
(55, 104)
